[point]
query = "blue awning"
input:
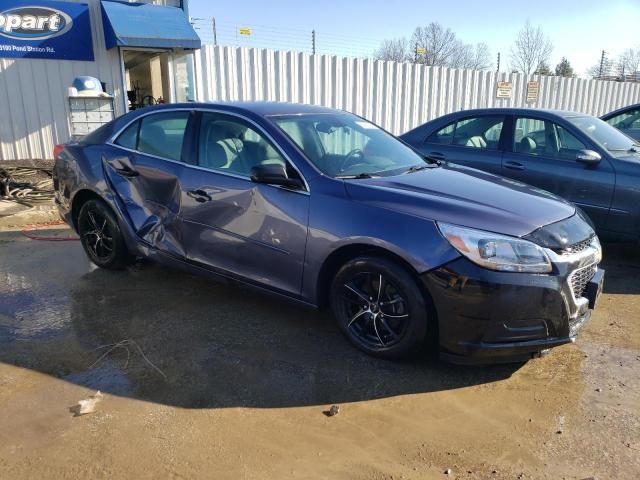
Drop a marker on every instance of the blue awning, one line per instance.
(146, 25)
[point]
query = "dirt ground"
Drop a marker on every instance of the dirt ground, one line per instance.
(212, 381)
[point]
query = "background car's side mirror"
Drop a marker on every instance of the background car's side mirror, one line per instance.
(274, 175)
(588, 157)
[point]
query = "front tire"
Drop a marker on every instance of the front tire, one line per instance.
(379, 307)
(101, 237)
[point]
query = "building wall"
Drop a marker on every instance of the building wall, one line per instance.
(33, 95)
(396, 96)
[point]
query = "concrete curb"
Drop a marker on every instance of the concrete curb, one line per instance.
(42, 213)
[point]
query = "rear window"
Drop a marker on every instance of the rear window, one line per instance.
(129, 138)
(158, 134)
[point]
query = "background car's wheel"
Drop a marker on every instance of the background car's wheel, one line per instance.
(379, 307)
(101, 237)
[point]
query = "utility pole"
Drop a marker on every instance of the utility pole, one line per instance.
(313, 42)
(498, 65)
(602, 59)
(415, 53)
(215, 33)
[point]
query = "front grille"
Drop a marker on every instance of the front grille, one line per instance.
(576, 247)
(579, 279)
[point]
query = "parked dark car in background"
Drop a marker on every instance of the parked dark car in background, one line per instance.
(575, 156)
(325, 208)
(626, 119)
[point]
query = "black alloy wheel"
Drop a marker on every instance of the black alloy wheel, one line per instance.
(379, 307)
(101, 237)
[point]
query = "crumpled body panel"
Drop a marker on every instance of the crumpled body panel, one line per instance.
(151, 197)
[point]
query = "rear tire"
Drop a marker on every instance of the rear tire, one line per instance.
(379, 307)
(101, 236)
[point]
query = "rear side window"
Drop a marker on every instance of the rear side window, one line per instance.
(162, 134)
(129, 138)
(444, 136)
(481, 132)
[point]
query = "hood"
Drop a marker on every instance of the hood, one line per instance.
(464, 196)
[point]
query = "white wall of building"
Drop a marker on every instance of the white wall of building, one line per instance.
(33, 95)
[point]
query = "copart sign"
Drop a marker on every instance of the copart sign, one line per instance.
(54, 30)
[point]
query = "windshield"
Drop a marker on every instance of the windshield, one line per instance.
(345, 146)
(603, 134)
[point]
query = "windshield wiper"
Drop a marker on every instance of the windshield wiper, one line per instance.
(417, 168)
(355, 177)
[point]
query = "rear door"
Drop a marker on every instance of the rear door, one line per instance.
(144, 165)
(543, 153)
(473, 141)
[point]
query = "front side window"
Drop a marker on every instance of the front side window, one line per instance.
(230, 144)
(534, 136)
(476, 132)
(344, 145)
(162, 134)
(531, 135)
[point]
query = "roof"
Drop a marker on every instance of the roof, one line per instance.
(620, 110)
(146, 25)
(263, 109)
(267, 109)
(518, 111)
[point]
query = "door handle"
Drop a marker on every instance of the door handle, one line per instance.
(127, 172)
(123, 166)
(199, 195)
(513, 165)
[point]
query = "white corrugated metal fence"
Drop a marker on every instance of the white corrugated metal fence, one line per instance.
(397, 96)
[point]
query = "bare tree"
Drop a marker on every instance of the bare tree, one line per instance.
(394, 50)
(628, 63)
(465, 55)
(439, 43)
(531, 48)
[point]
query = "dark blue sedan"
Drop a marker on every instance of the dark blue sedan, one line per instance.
(575, 156)
(324, 208)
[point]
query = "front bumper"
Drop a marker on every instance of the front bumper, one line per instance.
(486, 316)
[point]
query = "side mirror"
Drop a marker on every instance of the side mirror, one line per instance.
(588, 157)
(274, 175)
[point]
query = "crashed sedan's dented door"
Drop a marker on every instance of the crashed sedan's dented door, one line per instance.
(144, 167)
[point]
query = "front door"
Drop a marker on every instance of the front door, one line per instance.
(144, 166)
(543, 154)
(251, 230)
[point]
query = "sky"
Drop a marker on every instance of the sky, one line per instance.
(579, 29)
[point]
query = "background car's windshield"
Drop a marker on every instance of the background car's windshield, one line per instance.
(603, 134)
(344, 145)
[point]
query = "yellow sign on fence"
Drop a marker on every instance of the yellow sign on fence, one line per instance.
(421, 51)
(504, 89)
(244, 31)
(533, 91)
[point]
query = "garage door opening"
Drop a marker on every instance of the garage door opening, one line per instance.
(146, 77)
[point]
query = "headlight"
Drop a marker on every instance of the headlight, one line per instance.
(497, 252)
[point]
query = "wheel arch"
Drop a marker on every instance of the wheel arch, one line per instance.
(81, 197)
(345, 253)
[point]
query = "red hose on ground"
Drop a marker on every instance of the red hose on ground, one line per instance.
(28, 232)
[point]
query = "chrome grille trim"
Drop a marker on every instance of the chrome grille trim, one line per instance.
(579, 278)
